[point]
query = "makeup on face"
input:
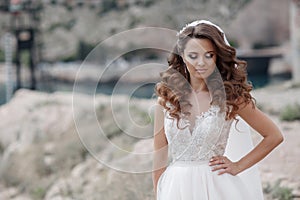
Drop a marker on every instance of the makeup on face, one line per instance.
(200, 57)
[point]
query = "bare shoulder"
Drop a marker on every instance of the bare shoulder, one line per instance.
(159, 100)
(248, 111)
(257, 119)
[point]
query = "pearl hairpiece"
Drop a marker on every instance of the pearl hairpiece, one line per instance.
(195, 23)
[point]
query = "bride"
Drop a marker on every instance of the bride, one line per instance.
(200, 95)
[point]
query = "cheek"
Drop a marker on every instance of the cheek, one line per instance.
(211, 64)
(190, 66)
(186, 62)
(211, 67)
(210, 61)
(190, 63)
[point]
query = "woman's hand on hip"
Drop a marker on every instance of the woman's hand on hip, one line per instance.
(223, 165)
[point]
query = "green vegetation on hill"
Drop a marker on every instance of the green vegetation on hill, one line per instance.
(290, 112)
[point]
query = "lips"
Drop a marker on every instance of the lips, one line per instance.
(201, 70)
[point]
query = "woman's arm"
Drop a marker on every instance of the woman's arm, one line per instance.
(160, 144)
(272, 137)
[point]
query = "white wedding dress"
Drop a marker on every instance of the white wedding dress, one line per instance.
(189, 177)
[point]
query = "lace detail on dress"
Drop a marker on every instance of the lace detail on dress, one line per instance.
(207, 138)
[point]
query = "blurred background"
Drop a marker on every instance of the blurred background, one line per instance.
(43, 44)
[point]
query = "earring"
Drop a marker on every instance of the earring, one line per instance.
(215, 70)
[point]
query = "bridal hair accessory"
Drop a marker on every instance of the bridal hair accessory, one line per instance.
(195, 23)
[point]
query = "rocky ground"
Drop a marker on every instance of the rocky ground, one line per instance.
(282, 164)
(42, 156)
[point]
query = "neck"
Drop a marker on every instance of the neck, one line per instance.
(198, 85)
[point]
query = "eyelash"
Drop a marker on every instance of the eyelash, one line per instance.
(210, 55)
(192, 57)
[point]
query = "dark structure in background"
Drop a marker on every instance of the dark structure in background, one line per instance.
(25, 41)
(25, 33)
(258, 60)
(24, 24)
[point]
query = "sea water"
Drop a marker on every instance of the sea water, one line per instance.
(138, 90)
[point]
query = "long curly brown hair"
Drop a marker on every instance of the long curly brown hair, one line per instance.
(228, 85)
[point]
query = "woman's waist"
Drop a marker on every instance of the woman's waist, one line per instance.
(184, 163)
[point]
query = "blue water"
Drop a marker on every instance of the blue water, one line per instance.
(136, 90)
(262, 81)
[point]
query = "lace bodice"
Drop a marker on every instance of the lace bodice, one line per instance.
(208, 137)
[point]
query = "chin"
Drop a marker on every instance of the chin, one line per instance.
(201, 76)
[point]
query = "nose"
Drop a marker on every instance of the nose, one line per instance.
(200, 61)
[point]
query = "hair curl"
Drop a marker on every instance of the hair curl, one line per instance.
(231, 81)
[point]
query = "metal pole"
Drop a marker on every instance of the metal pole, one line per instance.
(18, 69)
(295, 39)
(8, 65)
(32, 69)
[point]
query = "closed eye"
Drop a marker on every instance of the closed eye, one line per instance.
(192, 56)
(209, 55)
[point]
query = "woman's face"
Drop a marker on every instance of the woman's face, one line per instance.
(200, 57)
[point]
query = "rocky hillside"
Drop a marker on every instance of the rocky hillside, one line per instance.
(42, 155)
(248, 23)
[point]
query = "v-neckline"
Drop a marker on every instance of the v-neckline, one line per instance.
(198, 117)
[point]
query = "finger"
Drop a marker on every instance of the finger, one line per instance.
(216, 162)
(223, 171)
(223, 157)
(213, 158)
(219, 167)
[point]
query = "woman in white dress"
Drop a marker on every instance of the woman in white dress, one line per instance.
(202, 92)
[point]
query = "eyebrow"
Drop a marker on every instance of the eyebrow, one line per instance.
(205, 52)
